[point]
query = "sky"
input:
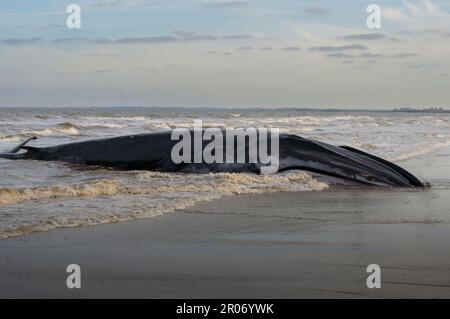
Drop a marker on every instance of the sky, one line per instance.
(225, 53)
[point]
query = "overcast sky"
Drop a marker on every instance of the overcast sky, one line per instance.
(224, 53)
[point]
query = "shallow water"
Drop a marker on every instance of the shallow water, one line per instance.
(38, 196)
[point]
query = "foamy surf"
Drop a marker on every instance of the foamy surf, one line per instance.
(166, 193)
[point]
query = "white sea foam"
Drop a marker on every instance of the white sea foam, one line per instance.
(222, 183)
(55, 131)
(166, 192)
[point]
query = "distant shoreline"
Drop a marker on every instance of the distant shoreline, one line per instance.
(223, 109)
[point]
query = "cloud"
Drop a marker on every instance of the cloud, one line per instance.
(368, 37)
(236, 37)
(113, 4)
(65, 40)
(102, 4)
(362, 67)
(244, 48)
(317, 11)
(403, 55)
(18, 41)
(152, 39)
(347, 62)
(227, 4)
(417, 14)
(174, 37)
(371, 55)
(266, 49)
(418, 65)
(339, 55)
(102, 71)
(426, 32)
(291, 49)
(338, 48)
(394, 14)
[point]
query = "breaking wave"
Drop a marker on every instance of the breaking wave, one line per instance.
(169, 192)
(222, 183)
(56, 131)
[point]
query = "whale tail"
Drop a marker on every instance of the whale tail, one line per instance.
(13, 154)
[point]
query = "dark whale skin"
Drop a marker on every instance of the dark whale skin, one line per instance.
(152, 151)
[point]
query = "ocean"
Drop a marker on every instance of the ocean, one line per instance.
(40, 196)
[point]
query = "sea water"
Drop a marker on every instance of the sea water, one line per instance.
(39, 196)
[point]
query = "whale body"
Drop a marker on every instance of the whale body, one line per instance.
(152, 151)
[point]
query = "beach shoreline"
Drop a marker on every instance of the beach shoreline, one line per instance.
(277, 245)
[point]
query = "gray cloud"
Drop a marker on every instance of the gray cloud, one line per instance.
(347, 62)
(57, 26)
(290, 49)
(174, 37)
(113, 4)
(236, 37)
(339, 55)
(419, 65)
(244, 48)
(414, 66)
(403, 55)
(227, 4)
(426, 32)
(18, 41)
(102, 71)
(317, 11)
(444, 75)
(65, 40)
(266, 48)
(338, 48)
(103, 4)
(368, 37)
(371, 55)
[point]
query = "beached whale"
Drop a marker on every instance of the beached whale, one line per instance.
(152, 151)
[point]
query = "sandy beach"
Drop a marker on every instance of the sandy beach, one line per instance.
(278, 245)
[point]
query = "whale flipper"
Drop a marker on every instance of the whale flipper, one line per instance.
(12, 154)
(21, 145)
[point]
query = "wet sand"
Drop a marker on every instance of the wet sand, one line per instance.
(282, 245)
